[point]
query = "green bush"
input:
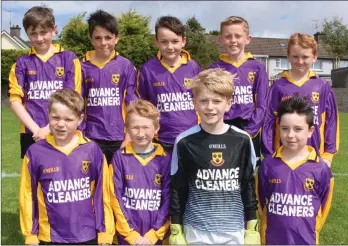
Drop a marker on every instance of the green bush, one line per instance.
(8, 58)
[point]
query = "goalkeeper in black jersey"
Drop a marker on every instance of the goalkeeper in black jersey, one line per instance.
(212, 172)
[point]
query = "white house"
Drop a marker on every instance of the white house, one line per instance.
(13, 39)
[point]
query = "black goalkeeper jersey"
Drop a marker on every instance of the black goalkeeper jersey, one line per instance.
(212, 180)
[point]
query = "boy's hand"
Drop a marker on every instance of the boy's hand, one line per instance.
(41, 133)
(139, 241)
(177, 235)
(146, 241)
(252, 236)
(328, 163)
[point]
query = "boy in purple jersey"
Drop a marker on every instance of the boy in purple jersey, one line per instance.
(164, 81)
(34, 77)
(301, 80)
(108, 82)
(251, 84)
(294, 186)
(140, 180)
(64, 188)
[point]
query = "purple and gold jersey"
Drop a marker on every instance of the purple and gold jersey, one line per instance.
(250, 91)
(107, 88)
(294, 199)
(325, 138)
(34, 78)
(165, 87)
(64, 194)
(140, 194)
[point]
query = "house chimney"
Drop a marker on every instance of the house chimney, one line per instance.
(15, 31)
(319, 37)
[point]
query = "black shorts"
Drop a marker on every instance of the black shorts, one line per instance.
(90, 242)
(240, 123)
(108, 147)
(166, 146)
(26, 139)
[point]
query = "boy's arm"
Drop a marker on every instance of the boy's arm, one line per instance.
(28, 210)
(331, 130)
(124, 224)
(269, 127)
(73, 77)
(260, 91)
(141, 89)
(101, 200)
(248, 182)
(162, 223)
(261, 188)
(16, 79)
(326, 191)
(131, 84)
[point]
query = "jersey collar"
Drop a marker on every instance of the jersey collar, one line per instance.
(90, 54)
(226, 58)
(128, 150)
(185, 58)
(57, 49)
(287, 76)
(81, 140)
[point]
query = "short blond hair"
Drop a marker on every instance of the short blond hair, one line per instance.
(69, 98)
(216, 80)
(235, 20)
(144, 109)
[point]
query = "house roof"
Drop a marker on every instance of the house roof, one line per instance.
(20, 42)
(276, 47)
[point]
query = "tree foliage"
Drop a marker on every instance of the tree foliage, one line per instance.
(8, 58)
(335, 35)
(202, 49)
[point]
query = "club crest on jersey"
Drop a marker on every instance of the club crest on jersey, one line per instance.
(158, 179)
(309, 184)
(315, 97)
(217, 159)
(60, 71)
(187, 82)
(251, 77)
(85, 166)
(115, 78)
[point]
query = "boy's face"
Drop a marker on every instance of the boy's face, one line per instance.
(169, 44)
(41, 38)
(63, 122)
(233, 39)
(294, 131)
(141, 130)
(211, 106)
(103, 41)
(301, 59)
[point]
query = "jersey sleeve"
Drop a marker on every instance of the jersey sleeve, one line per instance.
(162, 223)
(261, 188)
(141, 89)
(260, 90)
(331, 131)
(101, 201)
(73, 77)
(269, 127)
(131, 84)
(179, 184)
(28, 207)
(16, 82)
(248, 182)
(124, 224)
(325, 194)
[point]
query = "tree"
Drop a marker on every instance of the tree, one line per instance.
(214, 32)
(202, 49)
(136, 41)
(75, 36)
(335, 35)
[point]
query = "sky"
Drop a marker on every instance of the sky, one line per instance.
(274, 19)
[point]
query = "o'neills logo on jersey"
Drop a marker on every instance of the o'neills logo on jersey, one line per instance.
(68, 190)
(187, 82)
(31, 72)
(115, 78)
(89, 80)
(85, 166)
(242, 94)
(43, 89)
(175, 101)
(142, 199)
(217, 159)
(251, 77)
(60, 71)
(217, 179)
(309, 184)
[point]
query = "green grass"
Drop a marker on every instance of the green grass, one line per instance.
(334, 232)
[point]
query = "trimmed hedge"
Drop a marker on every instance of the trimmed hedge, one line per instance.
(8, 58)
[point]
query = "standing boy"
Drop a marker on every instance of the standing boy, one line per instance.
(109, 84)
(34, 77)
(212, 171)
(140, 180)
(302, 81)
(164, 81)
(64, 183)
(251, 82)
(294, 186)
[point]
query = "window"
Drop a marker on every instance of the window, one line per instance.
(343, 63)
(282, 63)
(317, 65)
